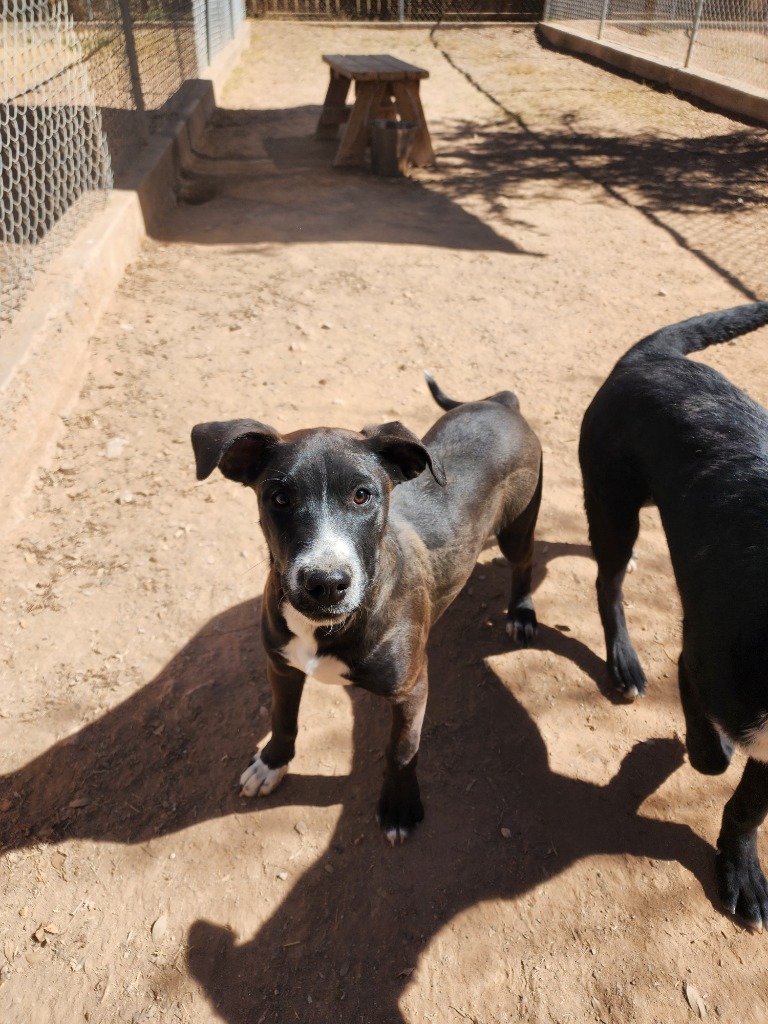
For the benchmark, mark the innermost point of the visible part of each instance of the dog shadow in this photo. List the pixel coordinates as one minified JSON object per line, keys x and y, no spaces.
{"x":353,"y":927}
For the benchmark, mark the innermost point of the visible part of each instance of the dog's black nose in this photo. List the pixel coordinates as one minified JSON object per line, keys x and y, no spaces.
{"x":328,"y":587}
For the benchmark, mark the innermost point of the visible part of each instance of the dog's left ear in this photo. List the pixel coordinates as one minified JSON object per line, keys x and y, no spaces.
{"x":240,"y":448}
{"x":403,"y":454}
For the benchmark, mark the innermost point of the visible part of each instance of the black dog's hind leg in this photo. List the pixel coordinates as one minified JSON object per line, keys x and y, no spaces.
{"x":742,"y":884}
{"x":516,"y":543}
{"x":613,"y":529}
{"x":400,"y":808}
{"x":708,"y":750}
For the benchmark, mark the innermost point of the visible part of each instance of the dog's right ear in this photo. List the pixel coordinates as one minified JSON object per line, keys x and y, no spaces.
{"x":240,"y":448}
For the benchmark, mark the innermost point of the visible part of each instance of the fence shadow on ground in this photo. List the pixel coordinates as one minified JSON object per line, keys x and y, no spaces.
{"x":710,"y":193}
{"x":353,"y":927}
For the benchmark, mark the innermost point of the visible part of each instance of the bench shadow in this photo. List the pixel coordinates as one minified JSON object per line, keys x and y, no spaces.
{"x":260,"y":177}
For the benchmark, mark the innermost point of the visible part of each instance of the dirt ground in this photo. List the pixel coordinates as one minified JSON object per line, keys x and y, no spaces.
{"x":564,"y":871}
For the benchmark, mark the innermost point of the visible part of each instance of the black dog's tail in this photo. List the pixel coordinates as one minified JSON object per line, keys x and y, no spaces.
{"x":697,"y":333}
{"x":439,"y":395}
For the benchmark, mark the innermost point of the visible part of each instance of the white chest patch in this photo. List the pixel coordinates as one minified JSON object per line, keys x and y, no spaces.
{"x":301,"y":651}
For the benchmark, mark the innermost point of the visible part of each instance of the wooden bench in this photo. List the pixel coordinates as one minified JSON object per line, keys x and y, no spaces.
{"x":384,"y":87}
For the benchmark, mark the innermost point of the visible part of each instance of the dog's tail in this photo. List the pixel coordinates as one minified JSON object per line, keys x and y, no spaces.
{"x":697,"y":333}
{"x":439,"y":395}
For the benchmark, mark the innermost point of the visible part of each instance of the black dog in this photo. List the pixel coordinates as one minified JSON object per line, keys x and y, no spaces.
{"x":667,"y":431}
{"x":361,"y":571}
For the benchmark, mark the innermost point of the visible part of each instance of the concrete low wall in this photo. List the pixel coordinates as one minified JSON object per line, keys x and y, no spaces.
{"x":44,"y":352}
{"x":741,"y":101}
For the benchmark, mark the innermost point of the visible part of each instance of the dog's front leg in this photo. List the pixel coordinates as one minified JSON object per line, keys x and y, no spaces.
{"x":269,"y":766}
{"x":400,"y":808}
{"x":742,"y":884}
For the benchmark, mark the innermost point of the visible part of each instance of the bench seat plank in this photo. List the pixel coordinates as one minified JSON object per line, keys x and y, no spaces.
{"x":373,"y":67}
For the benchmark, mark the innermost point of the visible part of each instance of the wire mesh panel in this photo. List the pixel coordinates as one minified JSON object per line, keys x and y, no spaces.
{"x":727,"y":38}
{"x":83,"y":87}
{"x":55,"y":163}
{"x":399,"y":10}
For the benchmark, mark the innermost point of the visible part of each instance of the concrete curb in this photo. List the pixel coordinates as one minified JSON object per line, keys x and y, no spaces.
{"x":44,"y":352}
{"x":741,"y":101}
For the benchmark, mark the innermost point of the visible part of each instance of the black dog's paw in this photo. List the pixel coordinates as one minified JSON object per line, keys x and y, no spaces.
{"x":741,"y":882}
{"x":626,"y":672}
{"x":522,"y":626}
{"x":400,"y":810}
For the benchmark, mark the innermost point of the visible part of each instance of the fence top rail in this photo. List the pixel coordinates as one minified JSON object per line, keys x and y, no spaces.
{"x":370,"y":68}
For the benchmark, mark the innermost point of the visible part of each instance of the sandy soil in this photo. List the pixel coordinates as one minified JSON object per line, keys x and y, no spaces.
{"x":564,"y":871}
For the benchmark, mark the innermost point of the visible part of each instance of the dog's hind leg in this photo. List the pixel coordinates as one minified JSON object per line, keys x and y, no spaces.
{"x":708,"y":750}
{"x":741,"y":882}
{"x":613,"y":529}
{"x":516,"y":542}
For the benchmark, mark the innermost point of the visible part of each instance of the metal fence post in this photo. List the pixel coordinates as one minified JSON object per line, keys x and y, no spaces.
{"x":603,"y":18}
{"x":133,"y":67}
{"x":401,"y":11}
{"x":694,"y":30}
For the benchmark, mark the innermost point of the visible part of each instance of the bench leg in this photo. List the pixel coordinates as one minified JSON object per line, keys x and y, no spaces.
{"x":368,"y":97}
{"x":334,"y":110}
{"x":410,"y":109}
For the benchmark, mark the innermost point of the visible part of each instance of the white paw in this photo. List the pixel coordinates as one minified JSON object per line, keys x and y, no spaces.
{"x":632,"y":563}
{"x":259,"y":779}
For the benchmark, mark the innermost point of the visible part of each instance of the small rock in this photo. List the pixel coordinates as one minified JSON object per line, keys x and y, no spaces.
{"x":159,"y":928}
{"x":301,"y":828}
{"x":282,"y":875}
{"x":506,"y":833}
{"x":125,"y":498}
{"x":114,"y":447}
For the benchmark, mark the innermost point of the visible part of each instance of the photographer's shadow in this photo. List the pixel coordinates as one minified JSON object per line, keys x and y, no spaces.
{"x":348,"y":935}
{"x":354,"y":926}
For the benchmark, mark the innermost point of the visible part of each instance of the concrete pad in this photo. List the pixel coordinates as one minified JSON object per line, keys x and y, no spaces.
{"x":744,"y":102}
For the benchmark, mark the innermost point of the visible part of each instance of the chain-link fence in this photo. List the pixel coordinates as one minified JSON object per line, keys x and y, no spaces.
{"x":54,"y":157}
{"x":429,"y":11}
{"x":727,"y":38}
{"x":84,"y":86}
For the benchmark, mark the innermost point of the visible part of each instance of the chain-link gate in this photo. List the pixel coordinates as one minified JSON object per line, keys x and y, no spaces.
{"x":728,"y":38}
{"x":84,"y":86}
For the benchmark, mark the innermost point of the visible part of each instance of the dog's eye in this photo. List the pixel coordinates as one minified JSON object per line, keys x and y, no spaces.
{"x":281,"y":498}
{"x":361,"y":496}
